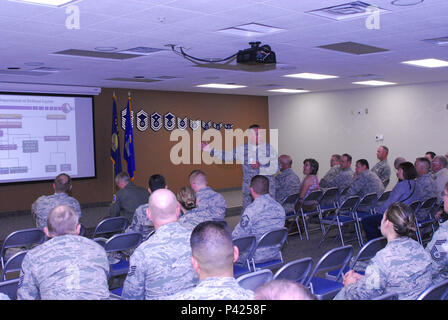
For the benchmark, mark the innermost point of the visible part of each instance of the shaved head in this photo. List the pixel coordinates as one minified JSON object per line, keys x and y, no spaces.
{"x":163,"y":205}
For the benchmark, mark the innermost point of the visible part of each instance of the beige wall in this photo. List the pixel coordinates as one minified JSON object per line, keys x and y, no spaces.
{"x":152,"y":149}
{"x":413,"y":120}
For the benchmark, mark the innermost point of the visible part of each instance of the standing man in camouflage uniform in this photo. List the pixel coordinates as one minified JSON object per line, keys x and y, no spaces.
{"x":382,"y":169}
{"x":257,"y":156}
{"x":345,"y":176}
{"x":403,"y":267}
{"x":264,"y":214}
{"x":440,"y":174}
{"x":213,"y":255}
{"x":43,"y":205}
{"x":333,"y":172}
{"x":128,"y":198}
{"x":438,"y":246}
{"x":161,"y":266}
{"x":425,"y":183}
{"x":365,"y":181}
{"x":287,"y":182}
{"x":140,"y":222}
{"x":208,"y":199}
{"x":66,"y":267}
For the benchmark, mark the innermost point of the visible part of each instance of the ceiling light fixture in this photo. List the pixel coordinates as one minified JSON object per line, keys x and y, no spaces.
{"x":312,"y":76}
{"x":48,"y":3}
{"x":284,"y":90}
{"x":220,"y":86}
{"x":428,"y":63}
{"x":106,"y":49}
{"x":405,"y":3}
{"x":374,"y":83}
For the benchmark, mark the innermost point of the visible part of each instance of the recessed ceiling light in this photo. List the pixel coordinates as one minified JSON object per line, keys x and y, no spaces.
{"x":220,"y":86}
{"x":313,"y":76}
{"x":406,"y":2}
{"x":106,"y":49}
{"x":428,"y":63}
{"x":374,"y":83}
{"x":50,"y":3}
{"x":289,"y":90}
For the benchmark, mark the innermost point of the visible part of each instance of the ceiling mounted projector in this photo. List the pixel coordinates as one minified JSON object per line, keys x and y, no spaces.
{"x":256,"y":54}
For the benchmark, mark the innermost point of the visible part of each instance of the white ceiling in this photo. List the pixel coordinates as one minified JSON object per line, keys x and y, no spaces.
{"x":32,"y":33}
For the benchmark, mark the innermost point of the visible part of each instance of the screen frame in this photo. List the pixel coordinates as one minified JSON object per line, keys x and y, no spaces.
{"x":92,"y":97}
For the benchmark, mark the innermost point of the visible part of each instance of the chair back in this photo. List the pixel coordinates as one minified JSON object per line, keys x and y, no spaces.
{"x":253,"y":280}
{"x":329,"y":197}
{"x":337,"y":258}
{"x":272,"y":238}
{"x":384,"y":196}
{"x":435,"y":292}
{"x":387,"y":296}
{"x":82,"y":231}
{"x":314,"y":195}
{"x":21,"y":238}
{"x":13,"y":264}
{"x":415,"y":205}
{"x":290,"y":203}
{"x":9,"y":288}
{"x":369,"y":250}
{"x":428,"y":203}
{"x":123,"y":241}
{"x":367,"y":202}
{"x":111,"y":225}
{"x":349,"y":204}
{"x":296,"y":270}
{"x":246,"y":246}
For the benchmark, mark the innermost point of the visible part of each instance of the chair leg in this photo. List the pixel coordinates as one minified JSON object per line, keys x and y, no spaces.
{"x":298,"y":227}
{"x":340,"y":233}
{"x":304,"y":227}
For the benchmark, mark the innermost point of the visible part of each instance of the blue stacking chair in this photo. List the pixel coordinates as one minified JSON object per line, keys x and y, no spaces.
{"x":253,"y":280}
{"x":9,"y":287}
{"x":337,"y":258}
{"x":329,"y":200}
{"x":423,"y":217}
{"x":21,"y":238}
{"x":14,"y":264}
{"x":290,"y":202}
{"x":381,"y":199}
{"x":109,"y":226}
{"x":273,"y":238}
{"x":313,"y":196}
{"x":246,"y":248}
{"x":364,"y":208}
{"x":367,"y":252}
{"x":297,"y":270}
{"x":435,"y":292}
{"x":118,"y":243}
{"x":344,"y":215}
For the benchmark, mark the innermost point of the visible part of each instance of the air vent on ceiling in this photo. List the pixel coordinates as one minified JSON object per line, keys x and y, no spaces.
{"x":133,"y":79}
{"x":23,"y":73}
{"x":250,"y":29}
{"x":365,"y":76}
{"x":48,"y":69}
{"x":97,"y":54}
{"x":142,"y":50}
{"x":166,"y":77}
{"x":350,"y":10}
{"x":353,"y":48}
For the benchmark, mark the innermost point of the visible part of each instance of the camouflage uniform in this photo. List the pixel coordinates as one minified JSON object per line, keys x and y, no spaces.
{"x":140,"y":222}
{"x":343,"y":180}
{"x":366,"y":182}
{"x":161,"y":266}
{"x":214,"y":288}
{"x":193,"y":217}
{"x":44,"y":204}
{"x":249,"y":154}
{"x":286,"y":183}
{"x":438,"y":249}
{"x":441,"y":178}
{"x":403,"y":267}
{"x":212,"y":202}
{"x":329,"y":176}
{"x":127,"y":200}
{"x":427,"y":186}
{"x":382,"y":170}
{"x":67,"y":267}
{"x":263,"y":215}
